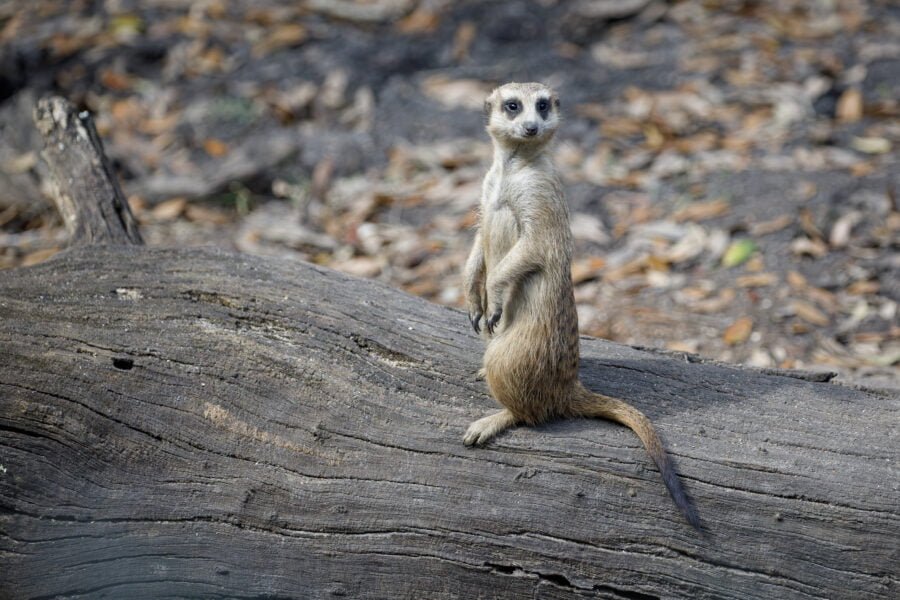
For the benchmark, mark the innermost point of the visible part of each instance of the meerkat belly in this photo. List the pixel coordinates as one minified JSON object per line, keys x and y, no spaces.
{"x":532,"y":363}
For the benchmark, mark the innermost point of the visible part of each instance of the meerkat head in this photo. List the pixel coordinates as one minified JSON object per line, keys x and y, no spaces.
{"x":522,"y":113}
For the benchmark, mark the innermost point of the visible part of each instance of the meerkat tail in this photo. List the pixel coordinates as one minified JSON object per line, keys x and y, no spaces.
{"x":590,"y":404}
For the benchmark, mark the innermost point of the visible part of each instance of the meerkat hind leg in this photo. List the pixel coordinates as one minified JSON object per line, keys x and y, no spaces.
{"x":482,"y":430}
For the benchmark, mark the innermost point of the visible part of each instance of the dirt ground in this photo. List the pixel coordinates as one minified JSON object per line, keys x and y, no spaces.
{"x":731,"y":166}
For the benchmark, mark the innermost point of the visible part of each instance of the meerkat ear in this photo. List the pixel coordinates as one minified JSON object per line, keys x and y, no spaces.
{"x":556,"y":102}
{"x":487,"y":108}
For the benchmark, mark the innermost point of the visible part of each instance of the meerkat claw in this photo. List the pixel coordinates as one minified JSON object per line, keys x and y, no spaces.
{"x":492,"y":322}
{"x":484,"y":429}
{"x":474,"y":320}
{"x":477,"y":435}
{"x":471,"y":439}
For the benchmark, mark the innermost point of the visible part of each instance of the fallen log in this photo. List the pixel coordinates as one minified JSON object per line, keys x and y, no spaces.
{"x":197,"y":423}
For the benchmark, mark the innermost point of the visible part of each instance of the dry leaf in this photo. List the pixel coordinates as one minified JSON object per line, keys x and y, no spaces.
{"x":422,"y":287}
{"x":808,"y":224}
{"x":628,"y":269}
{"x":587,"y":268}
{"x":468,"y":220}
{"x":806,"y":190}
{"x":8,"y":215}
{"x":804,"y":245}
{"x":691,"y":294}
{"x":755,"y":264}
{"x":840,"y":231}
{"x":211,"y":60}
{"x":850,"y":106}
{"x":420,"y":20}
{"x":127,"y":111}
{"x":716,"y":304}
{"x":693,"y":243}
{"x":159,"y":125}
{"x":862,"y":168}
{"x":760,"y":358}
{"x":823,"y":298}
{"x":871,"y":145}
{"x":137,"y":204}
{"x":689,"y":346}
{"x":456,"y":93}
{"x":809,"y":313}
{"x":653,"y":137}
{"x":215,"y":148}
{"x":738,"y":332}
{"x":283,"y":36}
{"x":38,"y":256}
{"x":115,"y":80}
{"x":700,"y":211}
{"x":205,"y":214}
{"x":796,"y":280}
{"x":706,"y":140}
{"x":859,"y":288}
{"x":361,"y":266}
{"x":588,"y":227}
{"x":798,"y":328}
{"x":170,"y":209}
{"x":463,"y":39}
{"x":294,"y":100}
{"x":757,"y":280}
{"x":771,"y":226}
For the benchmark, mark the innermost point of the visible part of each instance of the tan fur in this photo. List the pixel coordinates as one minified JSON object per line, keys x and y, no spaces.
{"x":518,"y":278}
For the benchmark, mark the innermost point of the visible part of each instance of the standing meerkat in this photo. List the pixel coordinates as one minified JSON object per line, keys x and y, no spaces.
{"x":518,"y":277}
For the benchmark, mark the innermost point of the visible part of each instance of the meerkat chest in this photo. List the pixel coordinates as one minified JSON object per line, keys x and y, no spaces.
{"x":501,"y":221}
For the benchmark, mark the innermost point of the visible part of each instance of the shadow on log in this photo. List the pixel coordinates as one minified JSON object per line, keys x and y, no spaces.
{"x":196,"y":423}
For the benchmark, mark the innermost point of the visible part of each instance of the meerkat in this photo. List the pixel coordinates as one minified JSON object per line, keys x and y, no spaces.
{"x":518,"y":278}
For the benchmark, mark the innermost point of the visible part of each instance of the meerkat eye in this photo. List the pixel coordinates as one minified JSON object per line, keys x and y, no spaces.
{"x":543,"y":107}
{"x":512,"y":106}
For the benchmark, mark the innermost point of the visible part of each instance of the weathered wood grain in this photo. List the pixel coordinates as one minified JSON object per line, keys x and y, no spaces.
{"x":194,"y":423}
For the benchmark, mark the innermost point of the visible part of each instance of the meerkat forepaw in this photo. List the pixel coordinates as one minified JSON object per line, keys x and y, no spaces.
{"x":492,"y":322}
{"x":481,"y":374}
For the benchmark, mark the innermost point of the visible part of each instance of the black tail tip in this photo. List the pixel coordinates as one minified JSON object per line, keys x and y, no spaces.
{"x":690,"y":513}
{"x":681,"y":498}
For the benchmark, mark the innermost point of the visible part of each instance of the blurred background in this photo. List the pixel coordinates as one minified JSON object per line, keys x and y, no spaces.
{"x":731,"y":166}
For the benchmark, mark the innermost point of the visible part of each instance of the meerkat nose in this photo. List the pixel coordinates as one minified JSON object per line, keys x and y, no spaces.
{"x":531,"y":128}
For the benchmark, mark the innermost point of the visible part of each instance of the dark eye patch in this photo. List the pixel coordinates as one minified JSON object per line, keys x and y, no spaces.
{"x":512,"y":107}
{"x":543,"y":107}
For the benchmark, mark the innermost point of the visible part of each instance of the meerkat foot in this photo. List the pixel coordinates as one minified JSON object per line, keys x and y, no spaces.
{"x":482,"y":430}
{"x":480,"y":374}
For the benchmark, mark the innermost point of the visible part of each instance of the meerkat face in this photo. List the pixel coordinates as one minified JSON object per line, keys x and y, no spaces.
{"x":522,"y":113}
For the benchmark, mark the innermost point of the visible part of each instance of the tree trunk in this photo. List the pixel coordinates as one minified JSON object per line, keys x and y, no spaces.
{"x":196,"y":423}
